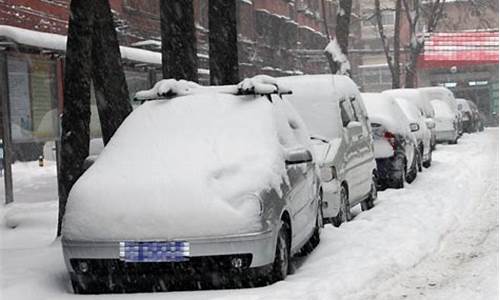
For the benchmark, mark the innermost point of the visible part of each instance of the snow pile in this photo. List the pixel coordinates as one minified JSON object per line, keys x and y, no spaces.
{"x":167,"y":88}
{"x":182,"y":168}
{"x":383,"y":109}
{"x":261,"y":84}
{"x":333,"y":49}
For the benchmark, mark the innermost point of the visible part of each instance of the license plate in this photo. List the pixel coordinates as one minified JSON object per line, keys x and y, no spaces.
{"x":175,"y":251}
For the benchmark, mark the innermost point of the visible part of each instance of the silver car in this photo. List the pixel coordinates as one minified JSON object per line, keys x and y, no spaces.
{"x":336,"y":117}
{"x":208,"y":180}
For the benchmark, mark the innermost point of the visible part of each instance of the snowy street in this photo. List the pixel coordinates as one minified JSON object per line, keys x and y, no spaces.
{"x":435,"y":239}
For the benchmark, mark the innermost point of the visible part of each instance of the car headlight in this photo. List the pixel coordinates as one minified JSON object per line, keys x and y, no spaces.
{"x":251,"y":203}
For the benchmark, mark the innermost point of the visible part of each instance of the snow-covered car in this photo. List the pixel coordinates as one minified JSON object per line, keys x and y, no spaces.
{"x":445,"y":123}
{"x":335,"y":115}
{"x":476,"y":119}
{"x":444,"y":94}
{"x":394,"y":144}
{"x":422,"y":132}
{"x":423,"y":103}
{"x":195,"y":180}
{"x":467,"y":115}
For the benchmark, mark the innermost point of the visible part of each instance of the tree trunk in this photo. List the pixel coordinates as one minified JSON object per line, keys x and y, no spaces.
{"x":178,"y":40}
{"x":396,"y":76}
{"x":342,"y":29}
{"x":223,"y":42}
{"x":411,"y":68}
{"x":109,"y":80}
{"x":75,"y":131}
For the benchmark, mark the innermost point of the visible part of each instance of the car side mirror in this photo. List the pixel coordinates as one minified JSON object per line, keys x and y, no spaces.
{"x":414,"y":127}
{"x":298,"y":156}
{"x":354,"y":128}
{"x":430,"y":123}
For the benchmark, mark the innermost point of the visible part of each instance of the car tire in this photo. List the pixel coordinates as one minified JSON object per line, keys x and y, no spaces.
{"x":428,"y":162}
{"x":420,"y":157}
{"x":313,"y":241}
{"x":368,"y":203}
{"x":344,"y":214}
{"x":281,"y":264}
{"x":400,"y":175}
{"x":412,"y":175}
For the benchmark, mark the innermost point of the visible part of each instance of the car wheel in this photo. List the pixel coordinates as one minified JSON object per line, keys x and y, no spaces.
{"x":281,"y":264}
{"x":344,"y":214}
{"x":368,"y":203}
{"x":412,"y":175}
{"x":400,"y":175}
{"x":315,"y":237}
{"x":420,"y":157}
{"x":428,"y":162}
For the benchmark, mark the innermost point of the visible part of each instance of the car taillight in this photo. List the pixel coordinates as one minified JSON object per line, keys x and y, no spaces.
{"x":391,"y":138}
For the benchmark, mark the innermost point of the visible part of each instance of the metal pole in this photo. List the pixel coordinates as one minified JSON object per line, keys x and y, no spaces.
{"x":7,"y":142}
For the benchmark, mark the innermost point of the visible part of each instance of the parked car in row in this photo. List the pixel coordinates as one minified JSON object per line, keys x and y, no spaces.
{"x":394,"y":144}
{"x":195,"y":179}
{"x":477,"y":122}
{"x":423,"y":103}
{"x":421,"y":132}
{"x":466,"y":113}
{"x":445,"y":123}
{"x":444,"y":94}
{"x":335,"y":115}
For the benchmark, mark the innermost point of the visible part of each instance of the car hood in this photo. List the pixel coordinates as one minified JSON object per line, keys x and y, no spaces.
{"x":185,"y":167}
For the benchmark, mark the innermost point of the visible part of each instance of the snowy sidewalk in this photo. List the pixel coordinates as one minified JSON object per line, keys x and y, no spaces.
{"x":436,"y":239}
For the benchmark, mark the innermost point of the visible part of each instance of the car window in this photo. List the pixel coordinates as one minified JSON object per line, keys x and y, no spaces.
{"x":345,"y":112}
{"x":358,"y":112}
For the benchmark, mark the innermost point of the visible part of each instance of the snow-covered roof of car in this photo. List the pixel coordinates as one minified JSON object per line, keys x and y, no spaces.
{"x":383,"y":109}
{"x":316,"y":98}
{"x":410,"y":109}
{"x":416,"y":96}
{"x":440,"y":93}
{"x":181,"y":168}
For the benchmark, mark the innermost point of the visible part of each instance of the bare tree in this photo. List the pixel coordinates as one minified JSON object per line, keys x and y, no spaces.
{"x":431,"y":12}
{"x":223,"y":42}
{"x":393,"y":60}
{"x":178,"y":40}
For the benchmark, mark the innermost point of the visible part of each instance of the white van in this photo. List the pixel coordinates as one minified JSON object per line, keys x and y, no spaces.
{"x":337,"y":120}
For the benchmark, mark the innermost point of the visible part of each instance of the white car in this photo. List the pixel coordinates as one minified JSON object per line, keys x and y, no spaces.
{"x":422,"y":102}
{"x":445,"y":123}
{"x":196,"y":180}
{"x":335,"y":115}
{"x":444,"y":94}
{"x":422,"y":134}
{"x":394,"y":144}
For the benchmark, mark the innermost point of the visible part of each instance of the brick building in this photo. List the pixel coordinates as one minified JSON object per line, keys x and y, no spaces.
{"x":274,"y":37}
{"x":270,"y":32}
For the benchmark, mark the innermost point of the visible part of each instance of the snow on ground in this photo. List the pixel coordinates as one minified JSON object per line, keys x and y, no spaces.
{"x":436,"y":239}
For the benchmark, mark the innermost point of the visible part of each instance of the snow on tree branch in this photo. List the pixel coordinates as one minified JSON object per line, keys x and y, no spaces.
{"x":333,"y":49}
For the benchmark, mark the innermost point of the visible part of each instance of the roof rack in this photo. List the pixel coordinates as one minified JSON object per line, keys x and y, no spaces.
{"x":260,"y":85}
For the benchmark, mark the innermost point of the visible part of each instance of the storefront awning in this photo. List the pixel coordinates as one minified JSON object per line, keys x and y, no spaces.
{"x":444,"y":50}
